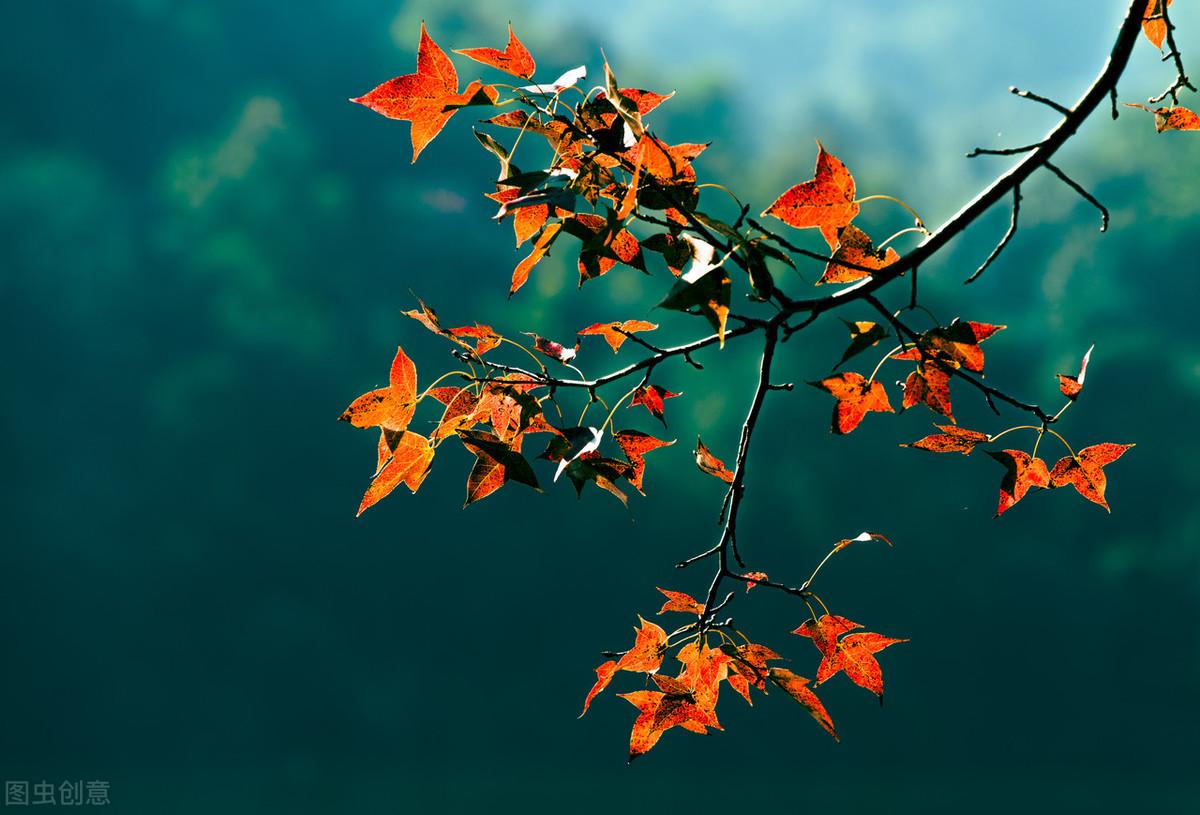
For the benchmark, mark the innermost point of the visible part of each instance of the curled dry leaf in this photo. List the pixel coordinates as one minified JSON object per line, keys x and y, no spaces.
{"x":1071,"y":386}
{"x":1173,"y":118}
{"x":555,"y":350}
{"x":708,"y":463}
{"x":862,"y":537}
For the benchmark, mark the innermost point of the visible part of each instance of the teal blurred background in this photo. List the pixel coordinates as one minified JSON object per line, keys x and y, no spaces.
{"x":205,"y":252}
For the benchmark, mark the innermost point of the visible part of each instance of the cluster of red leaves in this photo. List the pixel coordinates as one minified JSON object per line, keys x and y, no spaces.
{"x":689,"y":699}
{"x":938,"y":353}
{"x":603,"y":155}
{"x":492,"y":418}
{"x":1024,"y":471}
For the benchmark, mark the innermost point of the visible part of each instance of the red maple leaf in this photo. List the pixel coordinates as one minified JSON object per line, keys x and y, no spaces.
{"x":615,"y":334}
{"x":855,"y":247}
{"x":635,"y":444}
{"x":1023,"y":472}
{"x":427,"y":98}
{"x":825,"y":630}
{"x":856,"y":397}
{"x":826,"y":202}
{"x":651,"y":397}
{"x":515,"y":59}
{"x":929,"y":385}
{"x":952,"y":439}
{"x":855,"y":655}
{"x":1085,"y":471}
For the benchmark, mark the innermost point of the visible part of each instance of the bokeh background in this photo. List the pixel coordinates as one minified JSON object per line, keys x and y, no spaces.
{"x":204,"y":252}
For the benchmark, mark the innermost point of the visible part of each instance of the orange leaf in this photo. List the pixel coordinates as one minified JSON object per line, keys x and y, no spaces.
{"x":749,"y":667}
{"x":485,"y":336}
{"x":854,"y":654}
{"x":856,"y":397}
{"x":605,"y":245}
{"x":826,"y":202}
{"x":708,"y":463}
{"x":635,"y":444}
{"x":855,"y":247}
{"x":678,"y":601}
{"x":797,"y":687}
{"x":515,"y":59}
{"x":615,"y":334}
{"x":952,"y":439}
{"x":604,"y":675}
{"x":1085,"y":472}
{"x":704,"y":670}
{"x":411,"y":458}
{"x":460,"y":414}
{"x":427,"y":98}
{"x":659,"y":712}
{"x":1155,"y":30}
{"x":391,"y":407}
{"x":648,"y":649}
{"x":669,"y":164}
{"x":929,"y":385}
{"x":540,"y":248}
{"x":1023,"y":472}
{"x":825,"y":630}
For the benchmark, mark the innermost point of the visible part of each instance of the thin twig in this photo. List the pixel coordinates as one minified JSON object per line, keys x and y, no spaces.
{"x":1012,"y":230}
{"x":1087,"y":196}
{"x":1181,"y":78}
{"x":1003,"y":151}
{"x":1030,"y":95}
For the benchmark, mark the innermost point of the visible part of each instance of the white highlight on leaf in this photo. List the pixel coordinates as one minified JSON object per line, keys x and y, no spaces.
{"x":702,"y":259}
{"x":565,"y":81}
